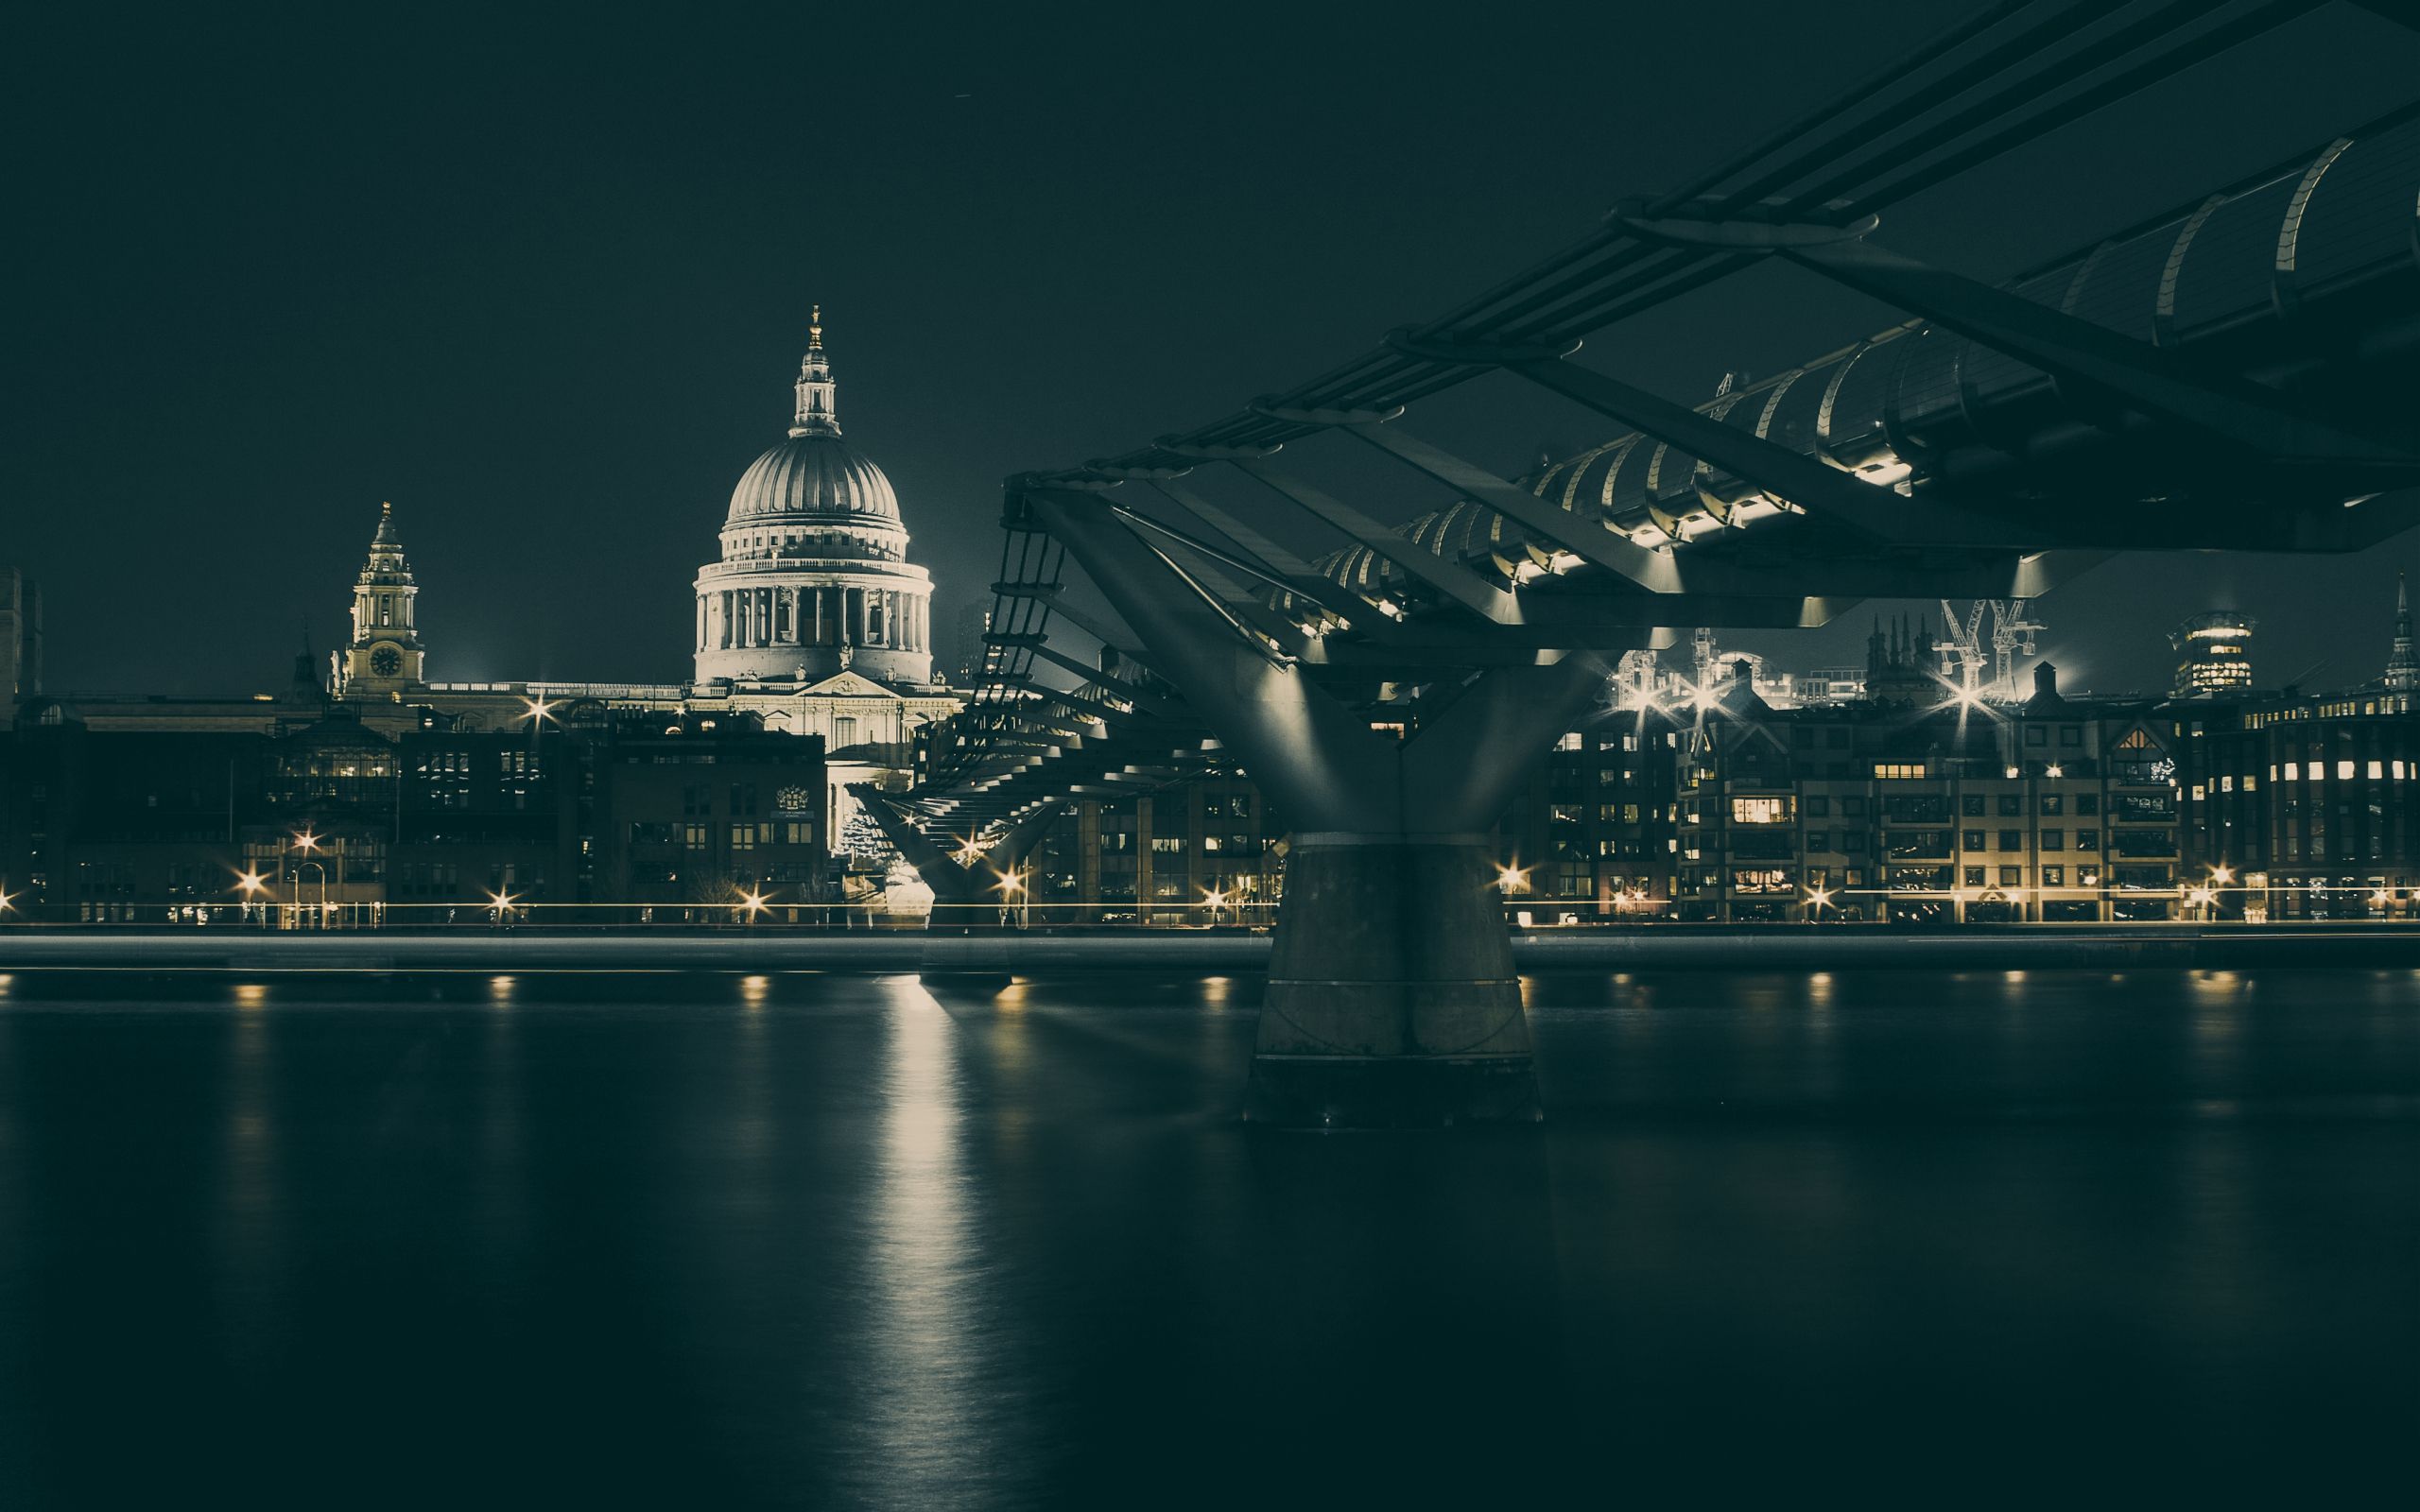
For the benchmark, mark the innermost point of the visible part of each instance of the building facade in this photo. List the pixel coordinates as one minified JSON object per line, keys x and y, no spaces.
{"x":1918,"y":810}
{"x":331,"y":822}
{"x":1200,"y":851}
{"x":2305,"y":807}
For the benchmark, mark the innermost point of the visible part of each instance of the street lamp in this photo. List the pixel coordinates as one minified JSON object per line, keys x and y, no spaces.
{"x":501,"y":903}
{"x":252,"y":885}
{"x":2221,"y":875}
{"x":1011,"y":886}
{"x":1512,"y":879}
{"x":1215,"y":900}
{"x":308,"y":844}
{"x":1817,"y":898}
{"x":969,"y":851}
{"x":751,"y":904}
{"x":7,"y":902}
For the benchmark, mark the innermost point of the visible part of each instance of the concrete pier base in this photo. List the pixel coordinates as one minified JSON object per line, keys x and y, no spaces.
{"x":1392,"y":1001}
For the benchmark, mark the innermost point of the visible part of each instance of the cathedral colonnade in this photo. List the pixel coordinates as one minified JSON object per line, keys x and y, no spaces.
{"x":746,"y":615}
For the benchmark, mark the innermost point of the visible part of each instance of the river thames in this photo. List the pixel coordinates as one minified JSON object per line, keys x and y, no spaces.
{"x":711,"y":1240}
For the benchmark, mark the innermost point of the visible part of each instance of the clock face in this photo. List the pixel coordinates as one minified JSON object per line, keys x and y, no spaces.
{"x":385,"y":661}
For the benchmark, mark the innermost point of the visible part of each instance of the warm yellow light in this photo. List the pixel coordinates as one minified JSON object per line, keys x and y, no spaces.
{"x":7,"y":902}
{"x":306,"y":841}
{"x":2201,"y":897}
{"x":1511,"y":879}
{"x":501,"y":899}
{"x":1214,"y":898}
{"x":754,"y":903}
{"x":2222,"y":875}
{"x":2054,"y":771}
{"x":538,"y":708}
{"x":2382,"y":896}
{"x":1011,"y":883}
{"x":249,"y":880}
{"x":1817,"y":898}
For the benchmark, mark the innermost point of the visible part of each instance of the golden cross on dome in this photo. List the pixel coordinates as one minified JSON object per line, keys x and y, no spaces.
{"x":815,"y":328}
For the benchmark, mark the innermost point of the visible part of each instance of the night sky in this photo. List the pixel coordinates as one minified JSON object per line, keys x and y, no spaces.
{"x":545,"y":285}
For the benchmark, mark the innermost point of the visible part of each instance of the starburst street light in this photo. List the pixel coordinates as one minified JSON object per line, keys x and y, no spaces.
{"x":1512,"y":879}
{"x":1817,"y":898}
{"x":539,"y":711}
{"x":2220,"y":876}
{"x":969,"y":851}
{"x":252,"y":882}
{"x":1011,"y":882}
{"x":7,"y":902}
{"x":501,"y":901}
{"x":307,"y":842}
{"x":751,"y":903}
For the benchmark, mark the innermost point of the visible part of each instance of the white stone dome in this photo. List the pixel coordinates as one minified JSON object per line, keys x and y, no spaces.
{"x":814,"y":479}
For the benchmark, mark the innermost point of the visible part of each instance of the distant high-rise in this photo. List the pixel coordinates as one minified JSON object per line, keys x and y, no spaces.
{"x":2402,"y":668}
{"x":2213,"y":655}
{"x":20,"y":638}
{"x":973,"y":623}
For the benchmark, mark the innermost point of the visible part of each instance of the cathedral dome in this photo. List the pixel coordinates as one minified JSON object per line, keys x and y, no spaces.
{"x":813,"y":478}
{"x":814,"y":578}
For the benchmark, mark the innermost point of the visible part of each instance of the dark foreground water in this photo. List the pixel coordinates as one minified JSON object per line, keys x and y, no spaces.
{"x":709,"y":1241}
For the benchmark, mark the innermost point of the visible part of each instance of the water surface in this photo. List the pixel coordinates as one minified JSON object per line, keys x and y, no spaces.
{"x":805,"y":1240}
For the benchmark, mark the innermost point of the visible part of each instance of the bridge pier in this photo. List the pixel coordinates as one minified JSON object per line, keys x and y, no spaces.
{"x":1392,"y":999}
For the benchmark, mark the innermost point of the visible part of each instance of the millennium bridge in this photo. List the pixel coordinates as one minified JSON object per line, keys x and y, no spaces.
{"x":2232,"y":373}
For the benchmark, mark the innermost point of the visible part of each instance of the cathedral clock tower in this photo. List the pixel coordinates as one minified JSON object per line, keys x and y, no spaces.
{"x":384,"y":656}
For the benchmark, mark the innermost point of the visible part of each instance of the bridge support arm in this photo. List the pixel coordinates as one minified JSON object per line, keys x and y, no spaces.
{"x":2153,"y":379}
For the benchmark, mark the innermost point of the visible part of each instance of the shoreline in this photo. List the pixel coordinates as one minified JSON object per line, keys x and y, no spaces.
{"x":1661,"y":947}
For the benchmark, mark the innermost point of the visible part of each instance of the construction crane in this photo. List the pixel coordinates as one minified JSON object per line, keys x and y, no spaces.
{"x":1963,"y":660}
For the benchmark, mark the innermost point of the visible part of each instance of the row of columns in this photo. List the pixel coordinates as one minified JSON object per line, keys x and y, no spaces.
{"x":742,"y":617}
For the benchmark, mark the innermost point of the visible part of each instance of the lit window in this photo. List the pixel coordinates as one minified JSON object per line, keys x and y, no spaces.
{"x":2293,"y":771}
{"x":2377,"y":769}
{"x":1761,"y":811}
{"x":2343,"y":771}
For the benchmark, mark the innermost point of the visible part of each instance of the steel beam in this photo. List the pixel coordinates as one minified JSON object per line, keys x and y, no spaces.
{"x":1451,"y":579}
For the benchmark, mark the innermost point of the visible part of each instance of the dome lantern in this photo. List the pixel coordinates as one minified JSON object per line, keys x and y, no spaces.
{"x":817,"y":412}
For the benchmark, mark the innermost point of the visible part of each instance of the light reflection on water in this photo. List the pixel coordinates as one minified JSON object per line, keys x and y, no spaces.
{"x":924,"y":1418}
{"x":968,"y":1241}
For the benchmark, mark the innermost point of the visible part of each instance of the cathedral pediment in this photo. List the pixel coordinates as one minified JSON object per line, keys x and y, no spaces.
{"x":846,"y":685}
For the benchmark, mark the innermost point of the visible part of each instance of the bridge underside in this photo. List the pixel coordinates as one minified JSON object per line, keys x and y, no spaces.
{"x":1390,"y":699}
